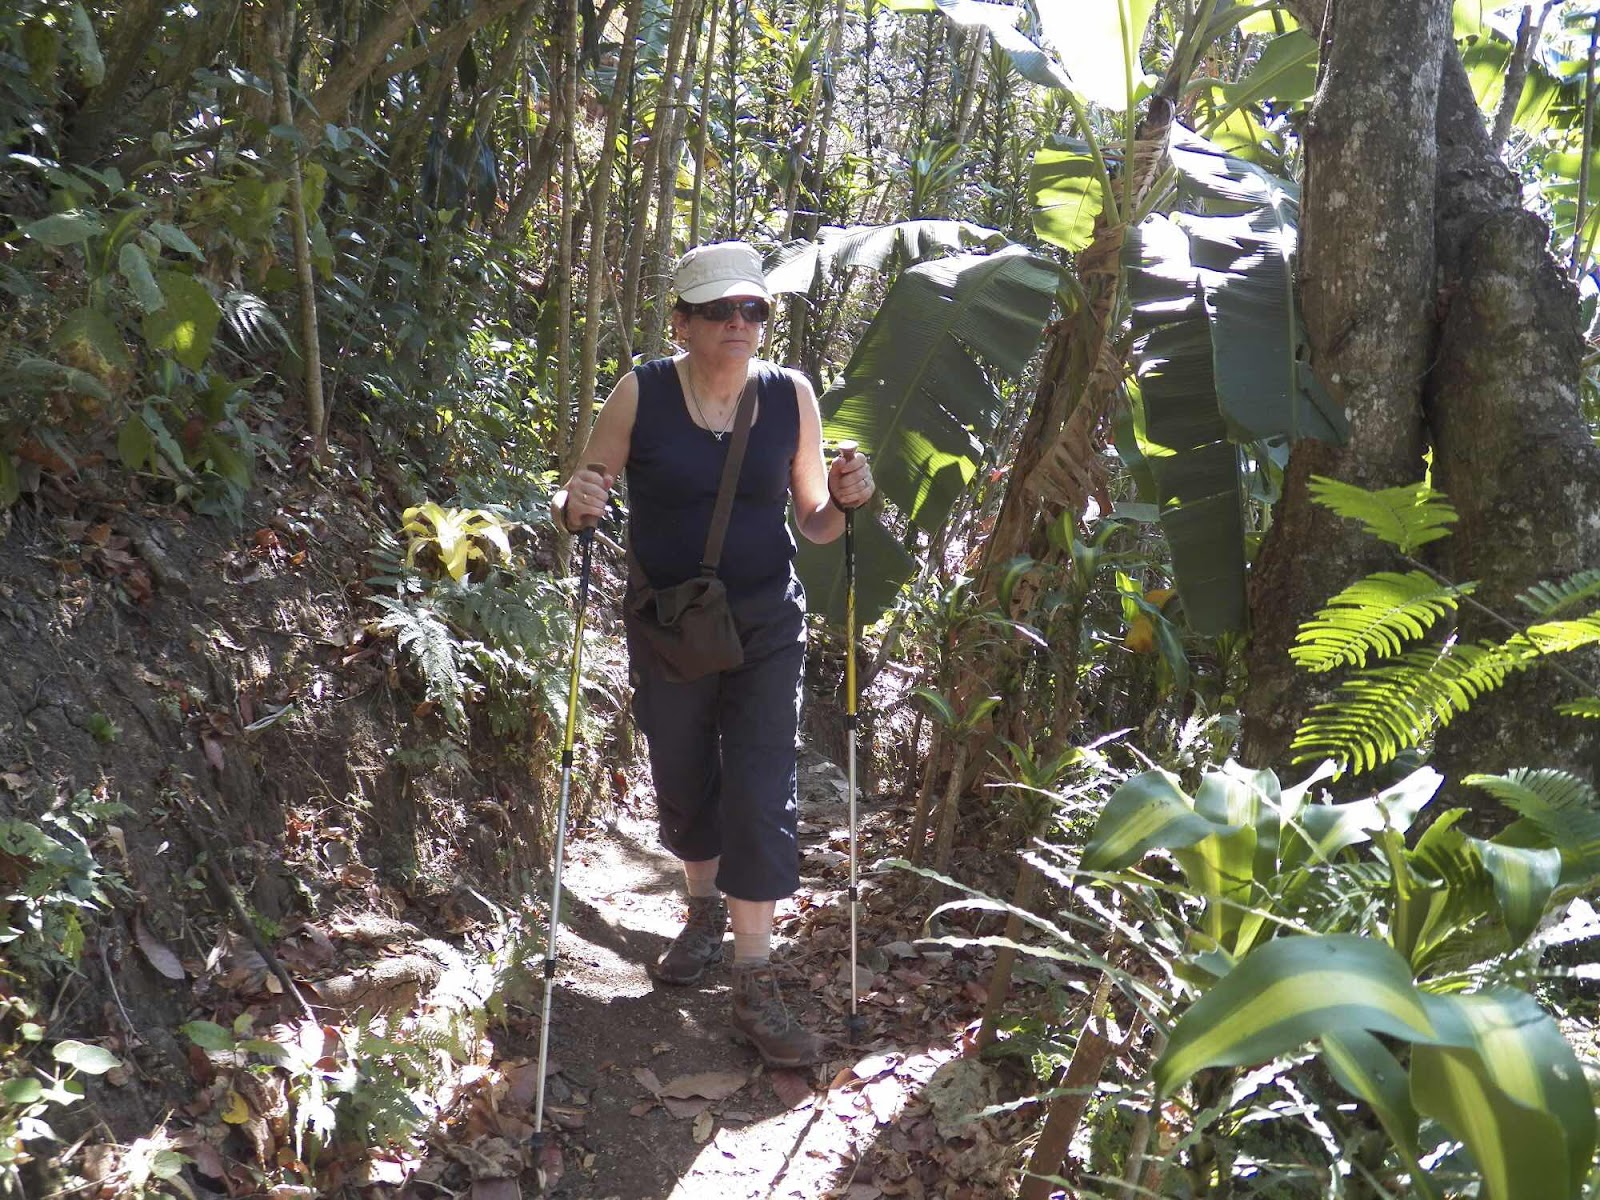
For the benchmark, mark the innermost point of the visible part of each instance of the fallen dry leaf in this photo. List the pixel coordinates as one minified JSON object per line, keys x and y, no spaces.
{"x":647,"y":1080}
{"x":703,"y":1125}
{"x":685,"y":1110}
{"x":875,"y":1065}
{"x":161,"y":958}
{"x":887,"y":1098}
{"x":713,"y":1085}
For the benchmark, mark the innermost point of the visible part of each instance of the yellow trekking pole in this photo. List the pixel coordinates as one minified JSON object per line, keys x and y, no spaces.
{"x":586,"y":545}
{"x":855,"y":1023}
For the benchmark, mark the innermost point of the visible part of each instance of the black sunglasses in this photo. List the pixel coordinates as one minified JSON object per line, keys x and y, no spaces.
{"x":753,"y":310}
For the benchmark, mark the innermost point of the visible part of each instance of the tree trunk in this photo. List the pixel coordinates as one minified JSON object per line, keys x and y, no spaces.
{"x":1514,"y":453}
{"x":1435,"y":311}
{"x":599,"y":212}
{"x":1367,"y":292}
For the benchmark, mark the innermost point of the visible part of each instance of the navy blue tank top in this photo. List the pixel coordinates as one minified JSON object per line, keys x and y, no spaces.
{"x":674,"y":467}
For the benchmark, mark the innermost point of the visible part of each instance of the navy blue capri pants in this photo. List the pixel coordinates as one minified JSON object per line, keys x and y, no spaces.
{"x":722,"y":751}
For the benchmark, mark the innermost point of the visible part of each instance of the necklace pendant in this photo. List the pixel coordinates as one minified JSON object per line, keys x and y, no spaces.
{"x":719,"y":434}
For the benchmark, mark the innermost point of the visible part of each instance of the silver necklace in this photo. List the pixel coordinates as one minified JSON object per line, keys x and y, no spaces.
{"x":694,"y":399}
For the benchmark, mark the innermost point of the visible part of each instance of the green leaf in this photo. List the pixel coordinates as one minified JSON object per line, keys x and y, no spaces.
{"x":1029,"y":61}
{"x":1285,"y":74}
{"x":174,"y":238}
{"x":801,"y":266}
{"x":1510,"y":1087}
{"x":943,"y":711}
{"x":1150,"y":811}
{"x":135,"y":268}
{"x":917,"y":395}
{"x":1524,"y":879}
{"x":1363,"y":1066}
{"x":1406,"y":517}
{"x":208,"y":1035}
{"x":1549,"y":598}
{"x":91,"y":66}
{"x":134,"y":444}
{"x":91,"y":1060}
{"x":21,"y":1091}
{"x":64,"y":228}
{"x":1065,"y":190}
{"x":1375,"y":616}
{"x":1098,"y":42}
{"x":1288,"y":992}
{"x":882,"y":566}
{"x":186,"y":325}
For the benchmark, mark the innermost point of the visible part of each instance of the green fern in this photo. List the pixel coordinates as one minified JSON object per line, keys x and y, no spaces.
{"x":1377,"y":616}
{"x":1548,"y":598}
{"x":1396,"y":705}
{"x":1522,"y":788}
{"x":1559,"y":804}
{"x":1558,"y":637}
{"x":1405,"y":517}
{"x":1588,"y":707}
{"x":433,"y":647}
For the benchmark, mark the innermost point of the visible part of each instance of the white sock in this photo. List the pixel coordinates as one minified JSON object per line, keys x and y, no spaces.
{"x":752,"y":949}
{"x":701,"y":877}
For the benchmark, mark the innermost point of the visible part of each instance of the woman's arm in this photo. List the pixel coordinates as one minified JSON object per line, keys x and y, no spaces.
{"x":821,"y":492}
{"x":583,"y":500}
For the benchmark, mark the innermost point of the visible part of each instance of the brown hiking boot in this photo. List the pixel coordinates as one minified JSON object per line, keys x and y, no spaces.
{"x":700,"y":943}
{"x":762,"y":1019}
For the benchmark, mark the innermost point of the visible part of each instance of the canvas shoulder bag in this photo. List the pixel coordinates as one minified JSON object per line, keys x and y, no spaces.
{"x":690,"y":626}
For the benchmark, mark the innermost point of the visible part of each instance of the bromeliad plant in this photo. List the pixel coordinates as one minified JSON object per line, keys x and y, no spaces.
{"x":1295,"y":942}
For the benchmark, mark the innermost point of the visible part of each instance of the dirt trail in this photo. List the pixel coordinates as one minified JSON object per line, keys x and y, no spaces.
{"x":617,"y":1036}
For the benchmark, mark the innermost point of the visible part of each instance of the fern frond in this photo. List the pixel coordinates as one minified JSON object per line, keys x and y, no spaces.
{"x":433,"y":648}
{"x":1522,"y":788}
{"x":1549,"y":597}
{"x":1405,"y":517}
{"x":1377,"y":616}
{"x":253,"y":323}
{"x":1558,"y":637}
{"x":1589,"y":707}
{"x":1395,"y":706}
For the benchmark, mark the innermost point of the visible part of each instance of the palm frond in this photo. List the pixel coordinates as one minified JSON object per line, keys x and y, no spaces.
{"x":1374,"y":616}
{"x":1395,"y":706}
{"x":1405,"y":517}
{"x":1523,"y":789}
{"x":1551,"y":597}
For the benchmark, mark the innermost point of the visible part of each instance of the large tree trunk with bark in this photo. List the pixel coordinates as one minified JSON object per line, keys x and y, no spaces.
{"x":1366,"y":285}
{"x":1514,"y":453}
{"x":1437,"y":315}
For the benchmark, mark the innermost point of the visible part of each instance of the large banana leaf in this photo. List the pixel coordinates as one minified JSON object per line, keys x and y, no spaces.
{"x":1098,"y":42}
{"x":1221,"y":359}
{"x":918,"y":394}
{"x":1031,"y":62}
{"x":1492,"y":1067}
{"x":801,"y":265}
{"x":1065,"y":188}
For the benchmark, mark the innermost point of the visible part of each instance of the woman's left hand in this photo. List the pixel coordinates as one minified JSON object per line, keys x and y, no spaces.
{"x":850,"y":480}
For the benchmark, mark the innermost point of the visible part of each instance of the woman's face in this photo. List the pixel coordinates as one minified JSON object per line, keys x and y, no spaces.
{"x":726,"y":332}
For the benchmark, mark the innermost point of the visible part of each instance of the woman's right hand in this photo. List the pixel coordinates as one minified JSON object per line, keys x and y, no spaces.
{"x":587,"y":492}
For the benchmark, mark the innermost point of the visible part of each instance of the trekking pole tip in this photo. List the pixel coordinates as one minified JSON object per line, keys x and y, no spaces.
{"x":855,"y":1027}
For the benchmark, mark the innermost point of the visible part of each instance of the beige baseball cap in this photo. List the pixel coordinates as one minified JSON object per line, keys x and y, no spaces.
{"x":718,"y":270}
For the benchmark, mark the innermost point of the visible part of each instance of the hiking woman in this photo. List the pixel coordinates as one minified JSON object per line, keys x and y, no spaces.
{"x":722,"y":746}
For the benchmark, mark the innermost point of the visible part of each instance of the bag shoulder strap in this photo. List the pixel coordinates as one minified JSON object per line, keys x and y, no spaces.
{"x":730,"y":478}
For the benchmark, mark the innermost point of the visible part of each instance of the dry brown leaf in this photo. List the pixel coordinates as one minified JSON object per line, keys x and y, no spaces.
{"x":639,"y":1110}
{"x":887,"y":1097}
{"x":875,"y":1065}
{"x":685,"y":1110}
{"x":713,"y":1085}
{"x":703,"y":1125}
{"x":647,"y":1079}
{"x":161,"y":958}
{"x":792,"y":1088}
